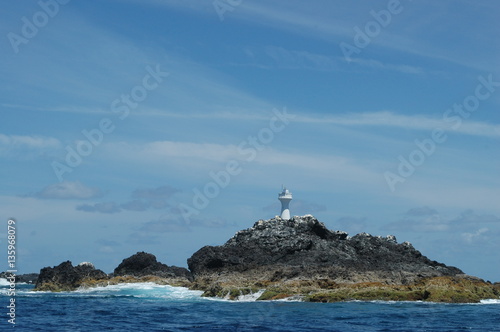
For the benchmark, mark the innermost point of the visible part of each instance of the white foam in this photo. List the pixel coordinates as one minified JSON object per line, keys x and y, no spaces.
{"x":293,"y":298}
{"x":143,"y":289}
{"x":490,"y":301}
{"x":252,"y":297}
{"x":5,"y":282}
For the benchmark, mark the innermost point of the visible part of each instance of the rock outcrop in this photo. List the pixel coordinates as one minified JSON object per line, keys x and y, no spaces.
{"x":297,"y":258}
{"x":301,"y":257}
{"x":66,"y":277}
{"x":144,"y":264}
{"x":140,"y":267}
{"x":303,"y":248}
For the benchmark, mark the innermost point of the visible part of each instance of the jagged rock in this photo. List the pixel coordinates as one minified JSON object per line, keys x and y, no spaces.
{"x":145,"y":264}
{"x":303,"y":248}
{"x":66,"y":277}
{"x":301,"y":258}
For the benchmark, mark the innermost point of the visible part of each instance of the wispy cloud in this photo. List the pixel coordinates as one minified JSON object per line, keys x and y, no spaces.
{"x":272,"y":57}
{"x":300,"y":18}
{"x":416,"y":122}
{"x":26,"y":146}
{"x":58,"y":109}
{"x":172,"y":223}
{"x":375,"y":64}
{"x":469,"y":217}
{"x":105,"y":207}
{"x":144,"y":199}
{"x":203,"y":156}
{"x":478,"y":235}
{"x":425,"y":219}
{"x":68,"y":190}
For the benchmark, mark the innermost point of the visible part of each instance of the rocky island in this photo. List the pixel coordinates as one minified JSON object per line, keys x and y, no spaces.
{"x":298,"y":258}
{"x":141,"y":267}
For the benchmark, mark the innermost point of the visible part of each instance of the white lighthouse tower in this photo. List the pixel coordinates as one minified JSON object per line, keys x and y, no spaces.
{"x":285,"y":197}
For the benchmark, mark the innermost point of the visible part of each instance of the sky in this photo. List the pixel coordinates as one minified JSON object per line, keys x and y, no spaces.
{"x":167,"y":125}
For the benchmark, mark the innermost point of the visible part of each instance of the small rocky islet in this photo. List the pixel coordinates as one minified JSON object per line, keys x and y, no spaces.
{"x":295,"y":258}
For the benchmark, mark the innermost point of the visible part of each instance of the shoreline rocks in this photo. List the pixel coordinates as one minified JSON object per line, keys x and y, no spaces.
{"x":66,"y":277}
{"x":29,"y":278}
{"x":298,"y":258}
{"x":301,"y":258}
{"x":140,"y":267}
{"x":143,"y":264}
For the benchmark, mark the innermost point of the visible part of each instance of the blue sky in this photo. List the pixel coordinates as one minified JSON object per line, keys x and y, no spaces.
{"x":165,"y":126}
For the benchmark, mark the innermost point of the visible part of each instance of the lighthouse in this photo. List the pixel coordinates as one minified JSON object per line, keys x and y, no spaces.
{"x":285,"y":197}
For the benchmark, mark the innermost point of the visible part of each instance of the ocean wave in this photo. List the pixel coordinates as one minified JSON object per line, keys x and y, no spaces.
{"x":252,"y":297}
{"x":146,"y":289}
{"x":4,"y":282}
{"x":490,"y":301}
{"x":137,"y":290}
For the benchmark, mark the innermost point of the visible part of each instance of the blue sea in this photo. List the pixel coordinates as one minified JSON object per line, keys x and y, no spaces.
{"x":151,"y":307}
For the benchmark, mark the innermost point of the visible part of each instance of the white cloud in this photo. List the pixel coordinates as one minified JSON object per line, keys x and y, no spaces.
{"x":68,"y":190}
{"x":10,"y":142}
{"x":334,"y":24}
{"x":205,"y":156}
{"x":172,"y":150}
{"x":474,"y":236}
{"x":391,"y":119}
{"x":294,"y":59}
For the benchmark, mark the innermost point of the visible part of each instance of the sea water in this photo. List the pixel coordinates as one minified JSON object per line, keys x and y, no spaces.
{"x":151,"y":307}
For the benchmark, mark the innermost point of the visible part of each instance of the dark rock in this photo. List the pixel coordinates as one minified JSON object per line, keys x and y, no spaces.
{"x":66,"y":277}
{"x":145,"y":264}
{"x":303,"y":248}
{"x":29,"y":278}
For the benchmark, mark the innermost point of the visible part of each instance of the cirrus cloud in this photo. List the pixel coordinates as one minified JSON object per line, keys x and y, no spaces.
{"x":68,"y":190}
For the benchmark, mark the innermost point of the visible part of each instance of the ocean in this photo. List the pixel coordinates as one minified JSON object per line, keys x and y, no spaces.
{"x":151,"y":307}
